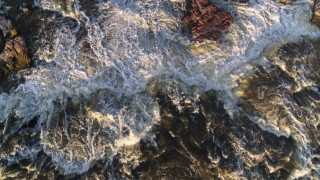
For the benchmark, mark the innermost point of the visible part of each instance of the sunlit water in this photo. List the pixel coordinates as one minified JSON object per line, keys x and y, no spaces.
{"x":118,"y":85}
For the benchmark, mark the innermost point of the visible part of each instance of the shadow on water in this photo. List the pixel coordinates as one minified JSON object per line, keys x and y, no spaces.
{"x":10,"y":83}
{"x":2,"y":42}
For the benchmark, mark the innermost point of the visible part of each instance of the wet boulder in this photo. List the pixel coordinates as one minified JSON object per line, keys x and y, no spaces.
{"x":285,"y":1}
{"x":316,"y":12}
{"x":206,"y":21}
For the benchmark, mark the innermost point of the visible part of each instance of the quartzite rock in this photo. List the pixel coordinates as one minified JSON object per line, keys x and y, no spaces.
{"x":206,"y":21}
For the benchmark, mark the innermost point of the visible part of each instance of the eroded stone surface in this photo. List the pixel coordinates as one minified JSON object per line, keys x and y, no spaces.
{"x":206,"y":21}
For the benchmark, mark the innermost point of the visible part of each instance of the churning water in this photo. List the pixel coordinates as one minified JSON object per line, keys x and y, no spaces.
{"x":118,"y":91}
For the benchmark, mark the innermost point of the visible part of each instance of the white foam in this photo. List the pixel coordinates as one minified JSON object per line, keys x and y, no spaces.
{"x":130,"y":140}
{"x":129,"y":45}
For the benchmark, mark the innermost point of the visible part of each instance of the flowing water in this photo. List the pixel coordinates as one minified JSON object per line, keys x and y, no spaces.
{"x":118,"y":91}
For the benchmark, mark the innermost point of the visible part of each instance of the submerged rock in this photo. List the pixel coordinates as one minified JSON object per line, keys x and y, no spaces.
{"x":242,"y":1}
{"x":285,"y":98}
{"x":195,"y":138}
{"x":206,"y":21}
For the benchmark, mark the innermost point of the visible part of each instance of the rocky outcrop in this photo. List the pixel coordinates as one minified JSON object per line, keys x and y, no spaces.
{"x":285,"y":1}
{"x":206,"y":21}
{"x":316,"y":13}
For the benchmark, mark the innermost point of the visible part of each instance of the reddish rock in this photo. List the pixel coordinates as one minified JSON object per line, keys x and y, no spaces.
{"x":206,"y":21}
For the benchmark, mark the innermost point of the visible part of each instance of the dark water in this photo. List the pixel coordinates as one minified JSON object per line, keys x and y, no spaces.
{"x":272,"y":132}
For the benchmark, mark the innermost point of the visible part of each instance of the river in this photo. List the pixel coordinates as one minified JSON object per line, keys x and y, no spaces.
{"x":118,"y":91}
